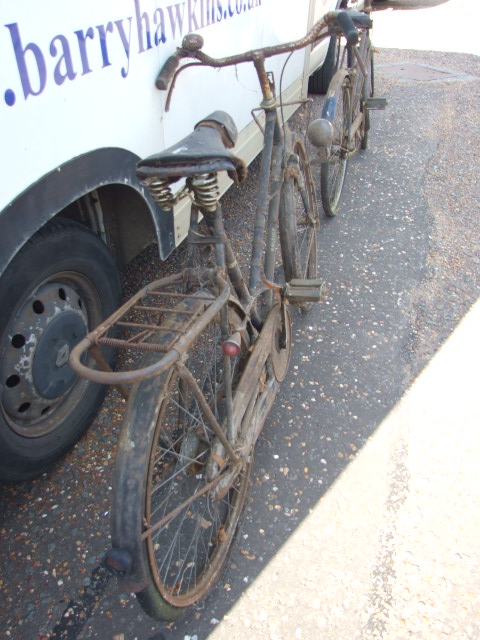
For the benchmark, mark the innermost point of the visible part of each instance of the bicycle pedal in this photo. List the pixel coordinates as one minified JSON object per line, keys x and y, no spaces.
{"x":298,"y":291}
{"x":376,"y":104}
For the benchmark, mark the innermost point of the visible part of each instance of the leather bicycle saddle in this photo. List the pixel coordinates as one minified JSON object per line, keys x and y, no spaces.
{"x":205,"y":150}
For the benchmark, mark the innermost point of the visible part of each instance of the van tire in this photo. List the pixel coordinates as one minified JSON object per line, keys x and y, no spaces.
{"x":320,"y":79}
{"x":60,"y":284}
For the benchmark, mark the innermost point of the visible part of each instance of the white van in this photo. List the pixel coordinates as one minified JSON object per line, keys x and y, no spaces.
{"x":79,"y":109}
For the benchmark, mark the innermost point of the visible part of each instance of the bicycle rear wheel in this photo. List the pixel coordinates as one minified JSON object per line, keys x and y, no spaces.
{"x":169,"y":468}
{"x":298,"y":219}
{"x":337,"y":110}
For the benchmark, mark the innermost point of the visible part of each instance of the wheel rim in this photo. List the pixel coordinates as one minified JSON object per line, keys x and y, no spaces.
{"x":39,"y":386}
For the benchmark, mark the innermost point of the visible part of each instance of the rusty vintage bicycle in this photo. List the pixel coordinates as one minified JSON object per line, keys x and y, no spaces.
{"x":344,"y":127}
{"x":204,"y":350}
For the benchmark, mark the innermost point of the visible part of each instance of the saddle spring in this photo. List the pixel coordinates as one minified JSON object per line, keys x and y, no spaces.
{"x":204,"y":186}
{"x":206,"y":190}
{"x":161,"y":192}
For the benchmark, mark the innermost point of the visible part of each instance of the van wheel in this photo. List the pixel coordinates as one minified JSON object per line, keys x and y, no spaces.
{"x":320,"y":79}
{"x":62,"y":283}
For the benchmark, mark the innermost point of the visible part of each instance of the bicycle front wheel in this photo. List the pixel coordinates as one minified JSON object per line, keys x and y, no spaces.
{"x":184,"y":521}
{"x":337,"y":110}
{"x":298,"y":219}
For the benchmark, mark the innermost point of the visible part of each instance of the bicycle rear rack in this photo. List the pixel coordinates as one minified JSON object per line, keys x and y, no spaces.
{"x":160,"y":318}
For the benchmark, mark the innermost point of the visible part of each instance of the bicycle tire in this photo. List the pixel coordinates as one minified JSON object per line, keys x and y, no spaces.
{"x":337,"y":110}
{"x":367,"y":92}
{"x":298,"y":219}
{"x":273,"y":267}
{"x":165,"y":461}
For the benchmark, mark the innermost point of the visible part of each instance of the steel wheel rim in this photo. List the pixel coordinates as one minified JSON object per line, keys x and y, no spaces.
{"x":62,"y":308}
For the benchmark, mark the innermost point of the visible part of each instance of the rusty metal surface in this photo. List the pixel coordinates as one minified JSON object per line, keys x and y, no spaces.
{"x":170,"y":309}
{"x":322,"y":30}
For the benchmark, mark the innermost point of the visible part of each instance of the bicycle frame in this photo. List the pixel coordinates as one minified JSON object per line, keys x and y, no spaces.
{"x":272,"y":167}
{"x":354,"y":73}
{"x":358,"y":73}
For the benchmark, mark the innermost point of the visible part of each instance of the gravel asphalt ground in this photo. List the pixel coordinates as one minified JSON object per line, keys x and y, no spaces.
{"x":363,"y":515}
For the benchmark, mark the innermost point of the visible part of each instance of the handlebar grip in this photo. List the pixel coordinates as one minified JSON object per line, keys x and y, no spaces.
{"x":167,"y":72}
{"x":348,"y":28}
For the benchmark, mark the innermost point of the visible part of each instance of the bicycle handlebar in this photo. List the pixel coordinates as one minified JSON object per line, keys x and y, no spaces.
{"x":348,"y":28}
{"x":167,"y":72}
{"x":333,"y":21}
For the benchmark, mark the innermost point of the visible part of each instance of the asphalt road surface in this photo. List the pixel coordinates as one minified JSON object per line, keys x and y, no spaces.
{"x":340,"y":537}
